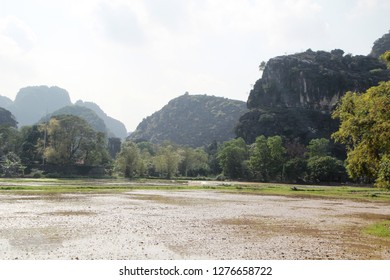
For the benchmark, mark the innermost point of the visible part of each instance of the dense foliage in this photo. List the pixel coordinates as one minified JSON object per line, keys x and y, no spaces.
{"x":71,"y":140}
{"x":365,"y":129}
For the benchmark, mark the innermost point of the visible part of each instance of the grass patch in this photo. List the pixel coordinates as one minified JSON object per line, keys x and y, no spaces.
{"x":381,"y":229}
{"x":119,"y":185}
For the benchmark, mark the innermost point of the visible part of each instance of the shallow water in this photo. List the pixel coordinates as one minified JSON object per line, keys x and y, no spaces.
{"x":152,"y":224}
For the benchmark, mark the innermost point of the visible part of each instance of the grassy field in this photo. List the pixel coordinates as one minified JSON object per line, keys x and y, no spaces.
{"x":117,"y":185}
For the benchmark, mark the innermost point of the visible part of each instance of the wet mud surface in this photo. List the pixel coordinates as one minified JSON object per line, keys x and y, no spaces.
{"x":150,"y":224}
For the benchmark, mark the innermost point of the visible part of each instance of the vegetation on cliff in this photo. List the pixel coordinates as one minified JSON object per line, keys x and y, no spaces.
{"x":193,"y":120}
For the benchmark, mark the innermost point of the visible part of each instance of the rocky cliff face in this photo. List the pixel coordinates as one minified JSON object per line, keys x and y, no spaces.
{"x":296,"y":94}
{"x":381,"y":45}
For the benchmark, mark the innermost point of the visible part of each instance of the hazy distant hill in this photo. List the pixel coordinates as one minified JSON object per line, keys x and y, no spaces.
{"x":83,"y":112}
{"x":34,"y":103}
{"x":114,"y":126}
{"x":193,"y":120}
{"x":5,"y":102}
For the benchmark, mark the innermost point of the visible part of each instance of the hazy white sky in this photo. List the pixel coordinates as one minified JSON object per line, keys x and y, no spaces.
{"x":132,"y":56}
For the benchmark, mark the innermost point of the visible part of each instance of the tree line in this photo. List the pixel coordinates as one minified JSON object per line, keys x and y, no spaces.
{"x":67,"y":140}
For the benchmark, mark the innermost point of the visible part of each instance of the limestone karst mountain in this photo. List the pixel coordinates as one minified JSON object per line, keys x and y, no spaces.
{"x":193,"y":120}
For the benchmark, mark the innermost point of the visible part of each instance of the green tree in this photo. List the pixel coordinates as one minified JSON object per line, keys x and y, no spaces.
{"x":386,"y":58}
{"x":213,"y":162}
{"x":267,"y":158}
{"x":262,"y":66}
{"x":232,"y":157}
{"x":325,"y":169}
{"x":277,"y":153}
{"x":147,"y":152}
{"x":167,"y":161}
{"x":259,"y":161}
{"x":96,"y":150}
{"x":9,"y":140}
{"x":193,"y":161}
{"x":365,"y":130}
{"x":11,"y":165}
{"x":70,"y":140}
{"x":128,"y":160}
{"x":295,"y":170}
{"x":30,"y":151}
{"x":318,"y":148}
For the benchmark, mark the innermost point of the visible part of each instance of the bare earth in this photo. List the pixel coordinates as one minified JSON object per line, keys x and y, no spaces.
{"x":151,"y":224}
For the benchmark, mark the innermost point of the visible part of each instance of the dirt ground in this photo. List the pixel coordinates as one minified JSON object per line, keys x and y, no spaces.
{"x":152,"y":224}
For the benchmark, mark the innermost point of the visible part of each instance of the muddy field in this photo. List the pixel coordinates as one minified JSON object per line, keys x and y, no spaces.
{"x":151,"y":224}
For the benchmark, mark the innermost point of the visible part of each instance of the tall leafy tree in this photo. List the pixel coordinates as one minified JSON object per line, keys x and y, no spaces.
{"x":70,"y":140}
{"x":128,"y":160}
{"x":9,"y":140}
{"x":365,"y":130}
{"x":167,"y":160}
{"x":11,"y":166}
{"x":318,"y":148}
{"x":267,"y":158}
{"x":232,"y":157}
{"x":193,"y":161}
{"x":30,"y":148}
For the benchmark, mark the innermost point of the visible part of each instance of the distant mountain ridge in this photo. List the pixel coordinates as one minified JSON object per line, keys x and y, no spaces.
{"x":193,"y":120}
{"x":35,"y":102}
{"x":32,"y":103}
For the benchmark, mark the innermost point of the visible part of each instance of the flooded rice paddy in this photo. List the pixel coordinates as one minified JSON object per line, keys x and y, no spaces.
{"x":191,"y":224}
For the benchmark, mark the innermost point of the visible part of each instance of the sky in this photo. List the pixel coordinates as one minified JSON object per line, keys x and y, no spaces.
{"x":131,"y":57}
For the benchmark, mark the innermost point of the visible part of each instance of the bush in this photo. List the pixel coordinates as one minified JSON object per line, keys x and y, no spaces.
{"x":11,"y":165}
{"x":295,"y":170}
{"x":326,"y":169}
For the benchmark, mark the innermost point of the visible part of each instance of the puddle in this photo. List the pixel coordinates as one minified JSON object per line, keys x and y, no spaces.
{"x":369,"y":216}
{"x":165,"y":199}
{"x":34,"y":238}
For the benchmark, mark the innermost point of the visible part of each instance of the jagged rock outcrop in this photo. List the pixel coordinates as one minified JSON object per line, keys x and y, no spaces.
{"x":381,"y":45}
{"x":32,"y":103}
{"x":193,"y":120}
{"x":296,"y":94}
{"x":115,"y":127}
